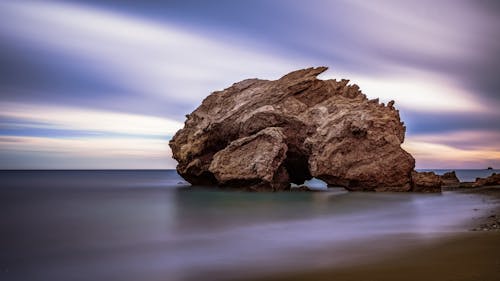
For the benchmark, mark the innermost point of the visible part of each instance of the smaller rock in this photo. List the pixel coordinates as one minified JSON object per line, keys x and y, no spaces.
{"x":466,"y":184}
{"x":450,"y":179}
{"x":300,"y":188}
{"x":425,"y":182}
{"x":494,"y":179}
{"x":254,"y":161}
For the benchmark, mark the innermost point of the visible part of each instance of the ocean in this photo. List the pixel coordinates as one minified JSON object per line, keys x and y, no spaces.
{"x":150,"y":225}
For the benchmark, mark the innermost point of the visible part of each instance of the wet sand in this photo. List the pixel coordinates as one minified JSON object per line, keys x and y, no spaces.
{"x":490,"y":221}
{"x":472,"y":255}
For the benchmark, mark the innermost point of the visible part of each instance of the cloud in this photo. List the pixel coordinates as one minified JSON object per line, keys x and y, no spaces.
{"x":141,"y":56}
{"x":83,"y":69}
{"x":83,"y":119}
{"x":417,"y":91}
{"x":81,"y":138}
{"x":416,"y":28}
{"x":98,"y":147}
{"x":463,"y":139}
{"x":178,"y":66}
{"x":84,"y":153}
{"x":455,"y":150}
{"x":439,"y":156}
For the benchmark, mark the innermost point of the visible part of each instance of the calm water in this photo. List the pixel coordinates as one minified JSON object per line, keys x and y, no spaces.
{"x":148,"y":225}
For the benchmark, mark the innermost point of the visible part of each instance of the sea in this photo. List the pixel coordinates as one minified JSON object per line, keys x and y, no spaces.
{"x":152,"y":225}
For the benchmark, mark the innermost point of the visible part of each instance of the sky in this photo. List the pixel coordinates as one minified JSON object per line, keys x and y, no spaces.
{"x":105,"y":84}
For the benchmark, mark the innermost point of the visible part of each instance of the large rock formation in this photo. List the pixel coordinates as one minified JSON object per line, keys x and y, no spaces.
{"x":264,"y":134}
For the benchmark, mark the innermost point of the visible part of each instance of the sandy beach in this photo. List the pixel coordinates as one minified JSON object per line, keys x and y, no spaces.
{"x":472,"y":255}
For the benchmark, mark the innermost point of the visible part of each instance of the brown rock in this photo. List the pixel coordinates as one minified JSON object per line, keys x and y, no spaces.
{"x":425,"y":182}
{"x":450,"y":179}
{"x":494,"y":179}
{"x":466,"y":184}
{"x":266,"y":134}
{"x":256,"y":159}
{"x":301,"y":188}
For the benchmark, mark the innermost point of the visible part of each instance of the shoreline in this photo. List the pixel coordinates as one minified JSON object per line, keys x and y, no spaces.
{"x":466,"y":255}
{"x":491,"y":220}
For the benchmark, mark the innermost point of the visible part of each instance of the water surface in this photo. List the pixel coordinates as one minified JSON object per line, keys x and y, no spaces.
{"x":149,"y":225}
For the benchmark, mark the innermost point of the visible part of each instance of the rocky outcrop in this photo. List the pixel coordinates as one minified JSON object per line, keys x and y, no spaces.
{"x":494,"y":179}
{"x":262,"y":134}
{"x":426,"y":182}
{"x":450,"y":179}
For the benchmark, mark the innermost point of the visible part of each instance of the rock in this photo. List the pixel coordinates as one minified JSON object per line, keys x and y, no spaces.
{"x":301,"y":188}
{"x":256,"y":159}
{"x":450,"y":179}
{"x":267,"y":134}
{"x":426,"y":182}
{"x":494,"y":179}
{"x":466,"y":184}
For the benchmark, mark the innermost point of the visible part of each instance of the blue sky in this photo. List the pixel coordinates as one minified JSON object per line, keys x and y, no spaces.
{"x":105,"y":84}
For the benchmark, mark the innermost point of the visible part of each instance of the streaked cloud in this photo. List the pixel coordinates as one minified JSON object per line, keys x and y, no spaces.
{"x":420,"y":27}
{"x":82,"y":119}
{"x":142,"y":140}
{"x":84,"y":153}
{"x":100,"y":147}
{"x":469,"y":140}
{"x":456,"y":149}
{"x":416,"y":91}
{"x":175,"y":65}
{"x":90,"y":84}
{"x":441,"y":156}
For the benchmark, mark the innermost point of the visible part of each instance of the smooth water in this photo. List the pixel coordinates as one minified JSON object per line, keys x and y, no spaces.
{"x":149,"y":225}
